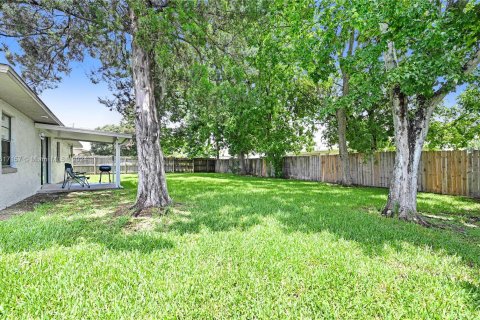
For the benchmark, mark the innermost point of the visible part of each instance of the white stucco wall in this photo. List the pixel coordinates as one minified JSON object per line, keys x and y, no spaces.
{"x":26,"y":181}
{"x":58,"y":167}
{"x":26,"y":149}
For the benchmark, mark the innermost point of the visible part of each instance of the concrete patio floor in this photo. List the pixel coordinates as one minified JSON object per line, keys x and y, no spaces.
{"x":57,"y":188}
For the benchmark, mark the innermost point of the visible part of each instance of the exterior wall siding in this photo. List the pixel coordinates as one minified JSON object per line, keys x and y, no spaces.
{"x":58,"y":166}
{"x":25,"y":181}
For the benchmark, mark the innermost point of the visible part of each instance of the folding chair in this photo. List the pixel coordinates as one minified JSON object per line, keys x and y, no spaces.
{"x":71,"y":176}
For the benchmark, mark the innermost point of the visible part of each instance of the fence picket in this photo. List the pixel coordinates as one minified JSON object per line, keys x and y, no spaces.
{"x":445,"y":172}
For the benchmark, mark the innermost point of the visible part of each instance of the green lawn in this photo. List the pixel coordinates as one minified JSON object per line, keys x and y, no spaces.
{"x":241,"y":247}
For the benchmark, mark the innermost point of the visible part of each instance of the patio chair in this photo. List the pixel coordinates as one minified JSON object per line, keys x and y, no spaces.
{"x":71,"y":176}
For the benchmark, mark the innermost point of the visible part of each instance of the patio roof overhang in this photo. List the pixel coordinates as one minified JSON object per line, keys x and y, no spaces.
{"x":76,"y":134}
{"x":17,"y":93}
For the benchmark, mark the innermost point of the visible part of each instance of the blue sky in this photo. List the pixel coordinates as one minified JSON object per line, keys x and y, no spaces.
{"x":75,"y":100}
{"x":451,"y":98}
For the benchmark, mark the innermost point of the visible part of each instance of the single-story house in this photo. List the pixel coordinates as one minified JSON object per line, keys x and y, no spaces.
{"x":35,"y":145}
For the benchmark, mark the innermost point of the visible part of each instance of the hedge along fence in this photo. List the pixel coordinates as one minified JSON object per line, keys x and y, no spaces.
{"x":444,"y":172}
{"x":90,"y":164}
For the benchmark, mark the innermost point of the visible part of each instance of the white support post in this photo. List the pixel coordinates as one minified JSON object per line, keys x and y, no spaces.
{"x":117,"y":164}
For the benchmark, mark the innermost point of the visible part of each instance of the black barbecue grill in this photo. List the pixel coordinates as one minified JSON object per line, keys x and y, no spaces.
{"x":105,"y":169}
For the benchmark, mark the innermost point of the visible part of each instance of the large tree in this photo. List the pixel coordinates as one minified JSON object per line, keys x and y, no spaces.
{"x":370,"y":125}
{"x":246,"y":97}
{"x":338,"y":39}
{"x":430,"y":47}
{"x":323,"y":37}
{"x":132,"y":39}
{"x":427,"y":48}
{"x":284,"y":97}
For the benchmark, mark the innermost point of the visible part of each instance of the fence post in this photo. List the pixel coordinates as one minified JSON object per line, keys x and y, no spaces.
{"x":446,"y":172}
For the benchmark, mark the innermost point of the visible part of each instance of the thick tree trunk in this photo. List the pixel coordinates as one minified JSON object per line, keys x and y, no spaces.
{"x":398,"y":202}
{"x":152,"y":187}
{"x":409,"y":140}
{"x":241,"y":158}
{"x":410,"y":133}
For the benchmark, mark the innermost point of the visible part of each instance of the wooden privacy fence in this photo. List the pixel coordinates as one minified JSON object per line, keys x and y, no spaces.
{"x":445,"y":172}
{"x":90,"y":164}
{"x":256,"y":167}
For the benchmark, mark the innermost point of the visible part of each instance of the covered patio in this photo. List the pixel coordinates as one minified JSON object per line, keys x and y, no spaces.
{"x":57,"y":187}
{"x":76,"y":134}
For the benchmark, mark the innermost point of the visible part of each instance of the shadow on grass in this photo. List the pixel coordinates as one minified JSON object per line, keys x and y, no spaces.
{"x":222,"y":203}
{"x":40,"y":234}
{"x":76,"y":218}
{"x":225,"y":202}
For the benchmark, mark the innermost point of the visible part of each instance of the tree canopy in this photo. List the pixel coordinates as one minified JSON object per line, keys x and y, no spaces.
{"x":260,"y":77}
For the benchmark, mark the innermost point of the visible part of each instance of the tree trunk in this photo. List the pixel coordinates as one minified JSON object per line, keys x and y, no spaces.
{"x":152,"y":187}
{"x":346,"y":178}
{"x":410,"y":132}
{"x":409,"y":140}
{"x":241,"y":158}
{"x":217,"y":150}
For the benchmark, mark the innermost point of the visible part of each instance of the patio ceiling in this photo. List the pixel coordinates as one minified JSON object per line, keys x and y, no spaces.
{"x":76,"y":134}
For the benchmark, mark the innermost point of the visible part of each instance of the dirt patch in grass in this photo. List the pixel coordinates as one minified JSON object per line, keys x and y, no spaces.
{"x":123,"y":210}
{"x":141,"y":224}
{"x":154,"y":219}
{"x":474,"y":219}
{"x":457,"y":223}
{"x":29,"y":204}
{"x":128,"y":210}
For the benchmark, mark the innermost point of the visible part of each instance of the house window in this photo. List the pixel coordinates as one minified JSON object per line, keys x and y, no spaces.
{"x":6,"y":137}
{"x":58,"y":151}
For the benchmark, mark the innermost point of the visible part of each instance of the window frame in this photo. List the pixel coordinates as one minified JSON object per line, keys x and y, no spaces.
{"x":8,"y":154}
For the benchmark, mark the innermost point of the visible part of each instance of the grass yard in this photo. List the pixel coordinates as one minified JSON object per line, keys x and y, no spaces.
{"x":241,"y":247}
